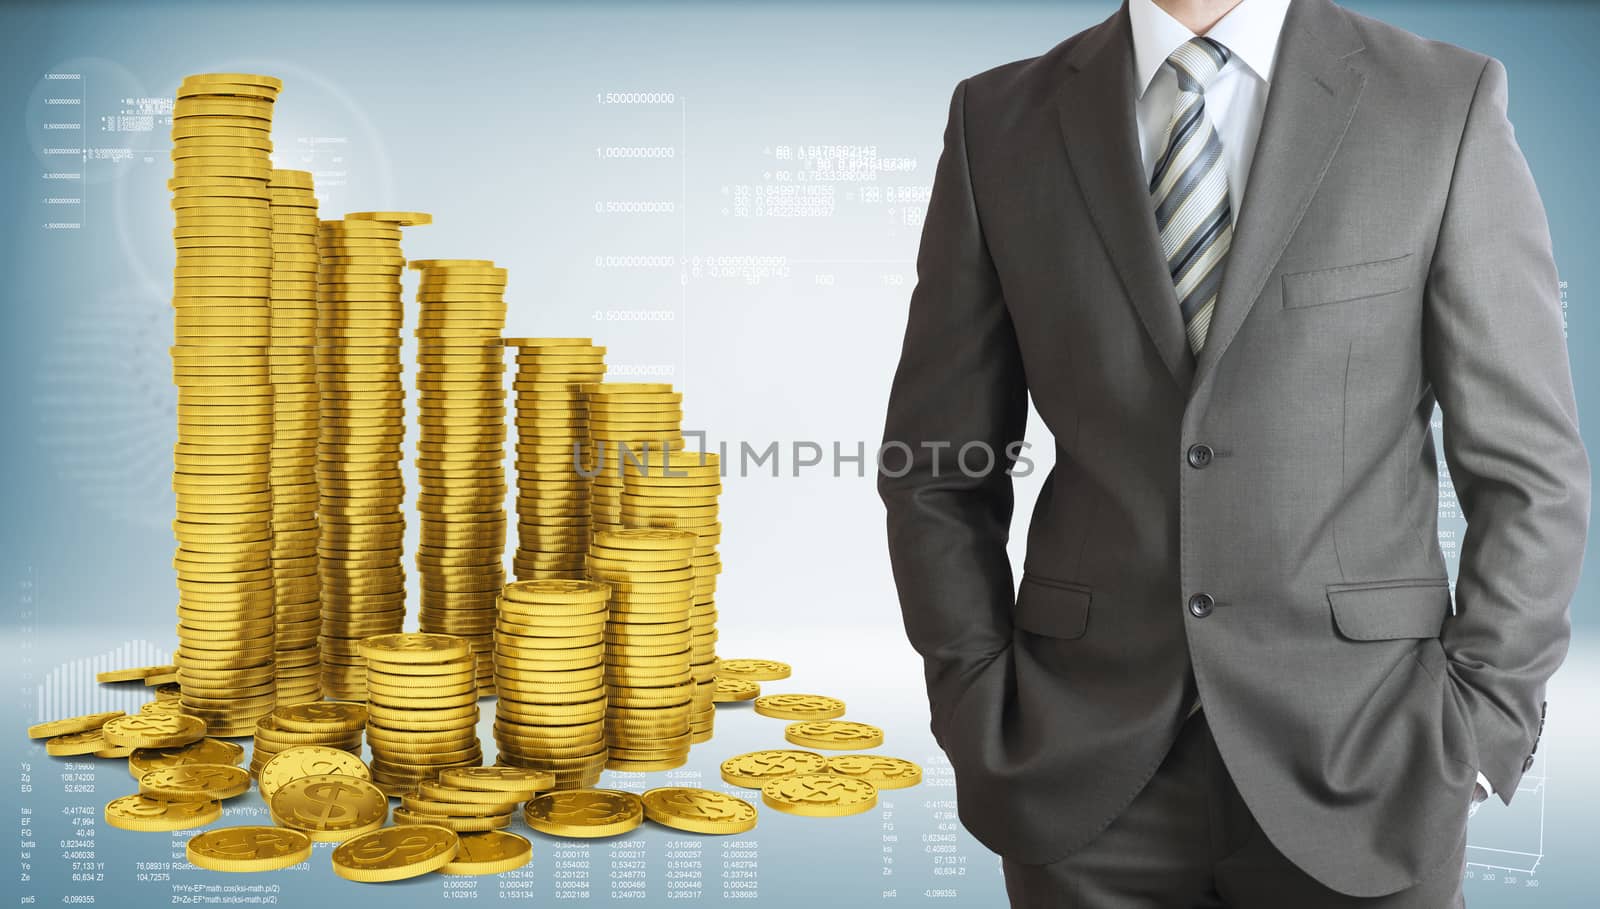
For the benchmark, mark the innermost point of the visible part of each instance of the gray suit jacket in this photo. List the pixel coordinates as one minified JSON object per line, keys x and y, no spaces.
{"x":1261,"y":523}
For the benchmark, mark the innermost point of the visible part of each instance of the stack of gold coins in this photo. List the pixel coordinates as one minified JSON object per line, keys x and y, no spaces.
{"x":627,"y":422}
{"x":553,"y":454}
{"x":221,"y":131}
{"x":461,"y":455}
{"x":422,"y":708}
{"x":550,"y":674}
{"x":649,"y":683}
{"x":291,"y":360}
{"x":359,"y":520}
{"x":679,"y":490}
{"x":330,"y":724}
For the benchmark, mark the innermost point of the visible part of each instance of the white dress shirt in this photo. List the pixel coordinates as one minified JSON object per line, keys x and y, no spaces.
{"x":1234,"y":101}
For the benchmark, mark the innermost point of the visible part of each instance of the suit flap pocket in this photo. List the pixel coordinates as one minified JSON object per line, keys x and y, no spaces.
{"x":1347,"y":282}
{"x":1379,"y":610}
{"x":1057,"y":609}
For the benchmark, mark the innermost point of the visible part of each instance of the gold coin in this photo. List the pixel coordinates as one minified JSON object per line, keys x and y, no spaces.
{"x":308,"y":760}
{"x":137,"y":812}
{"x":422,"y":804}
{"x":70,"y":725}
{"x":395,"y":853}
{"x":799,"y":706}
{"x":330,"y":807}
{"x":498,"y":779}
{"x":248,"y":849}
{"x":458,"y":823}
{"x":322,"y":716}
{"x":753,"y":670}
{"x":755,"y":769}
{"x":731,"y":689}
{"x":194,"y":782}
{"x":76,"y":743}
{"x":879,"y":770}
{"x":502,"y":799}
{"x":133,"y":674}
{"x":144,"y":731}
{"x":820,"y":795}
{"x":403,"y":218}
{"x":584,"y":812}
{"x":205,"y":751}
{"x":698,"y":810}
{"x":834,"y":734}
{"x":491,"y":852}
{"x":415,"y":648}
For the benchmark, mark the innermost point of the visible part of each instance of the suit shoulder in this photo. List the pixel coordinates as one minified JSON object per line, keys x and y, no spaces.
{"x":1426,"y":69}
{"x":1001,"y":92}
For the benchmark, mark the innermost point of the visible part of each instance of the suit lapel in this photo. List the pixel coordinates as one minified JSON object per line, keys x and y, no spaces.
{"x":1310,"y":103}
{"x":1095,"y":106}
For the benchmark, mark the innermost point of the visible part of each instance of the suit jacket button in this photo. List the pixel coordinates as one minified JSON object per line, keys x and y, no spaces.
{"x":1200,"y":605}
{"x":1200,"y":455}
{"x":1527,"y":764}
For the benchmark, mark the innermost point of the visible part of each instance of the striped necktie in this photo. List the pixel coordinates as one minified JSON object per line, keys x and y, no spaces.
{"x":1190,"y":190}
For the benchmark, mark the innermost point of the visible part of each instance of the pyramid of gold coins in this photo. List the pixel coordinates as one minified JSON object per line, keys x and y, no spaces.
{"x":600,"y":653}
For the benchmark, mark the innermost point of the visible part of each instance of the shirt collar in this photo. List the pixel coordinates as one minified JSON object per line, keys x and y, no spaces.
{"x":1249,"y":31}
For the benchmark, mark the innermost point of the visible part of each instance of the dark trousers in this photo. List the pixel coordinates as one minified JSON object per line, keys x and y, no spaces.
{"x":1187,"y":841}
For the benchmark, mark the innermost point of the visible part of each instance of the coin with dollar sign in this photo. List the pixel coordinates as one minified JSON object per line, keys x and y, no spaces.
{"x":395,"y":853}
{"x":248,"y":849}
{"x":330,"y":808}
{"x":698,"y":810}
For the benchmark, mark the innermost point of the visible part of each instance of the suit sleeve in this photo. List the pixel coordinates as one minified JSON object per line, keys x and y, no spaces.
{"x":959,"y":385}
{"x":1495,"y":352}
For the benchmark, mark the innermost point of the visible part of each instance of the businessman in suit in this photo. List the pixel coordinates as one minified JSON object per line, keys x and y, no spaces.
{"x":1236,"y":252}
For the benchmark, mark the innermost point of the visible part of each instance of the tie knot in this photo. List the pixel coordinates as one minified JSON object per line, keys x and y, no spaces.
{"x":1197,"y":62}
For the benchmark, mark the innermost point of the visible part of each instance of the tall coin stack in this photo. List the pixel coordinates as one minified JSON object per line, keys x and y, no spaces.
{"x":422,"y":708}
{"x":550,"y":672}
{"x":292,"y":363}
{"x":627,"y":421}
{"x":461,"y":455}
{"x":552,"y":414}
{"x":221,"y":131}
{"x":360,"y":524}
{"x":680,"y":491}
{"x":649,"y":682}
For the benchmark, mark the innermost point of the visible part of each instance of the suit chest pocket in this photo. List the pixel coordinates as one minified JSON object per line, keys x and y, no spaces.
{"x":1347,"y":283}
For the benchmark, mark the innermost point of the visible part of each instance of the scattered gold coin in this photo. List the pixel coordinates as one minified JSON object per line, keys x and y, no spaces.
{"x":205,"y":751}
{"x":248,"y":849}
{"x":880,"y":770}
{"x":195,"y":782}
{"x":820,"y":795}
{"x":146,"y":731}
{"x":136,"y":812}
{"x":395,"y":853}
{"x":799,"y":706}
{"x":841,"y":735}
{"x":491,"y":852}
{"x":308,"y":760}
{"x":753,"y":670}
{"x":70,"y":725}
{"x":755,"y":769}
{"x":730,"y":690}
{"x":74,"y":743}
{"x":698,"y":810}
{"x":584,"y":812}
{"x":133,"y":674}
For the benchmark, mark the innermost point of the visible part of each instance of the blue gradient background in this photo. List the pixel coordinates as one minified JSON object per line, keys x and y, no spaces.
{"x":486,"y":115}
